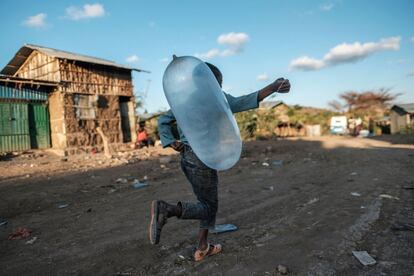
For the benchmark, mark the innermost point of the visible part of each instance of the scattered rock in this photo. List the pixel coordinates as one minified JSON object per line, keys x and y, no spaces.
{"x":121,"y":180}
{"x":282,"y":269}
{"x":3,"y":221}
{"x":32,"y":240}
{"x":139,"y":185}
{"x":62,"y":205}
{"x":388,"y":196}
{"x":364,"y":258}
{"x":278,"y":162}
{"x":355,"y":194}
{"x":312,"y":201}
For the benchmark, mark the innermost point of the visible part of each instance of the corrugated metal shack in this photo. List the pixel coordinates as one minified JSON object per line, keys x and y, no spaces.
{"x":90,"y":93}
{"x":402,"y":115}
{"x":24,"y":117}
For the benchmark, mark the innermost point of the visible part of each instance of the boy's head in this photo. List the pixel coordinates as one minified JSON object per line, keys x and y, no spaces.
{"x":216,"y":72}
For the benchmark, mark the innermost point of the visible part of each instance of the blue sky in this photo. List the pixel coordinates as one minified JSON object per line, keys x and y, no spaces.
{"x":323,"y":47}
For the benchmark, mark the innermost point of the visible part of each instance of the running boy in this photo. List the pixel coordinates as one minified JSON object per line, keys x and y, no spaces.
{"x":203,"y":179}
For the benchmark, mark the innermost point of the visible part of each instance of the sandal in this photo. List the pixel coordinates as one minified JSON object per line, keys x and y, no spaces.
{"x":212,"y":249}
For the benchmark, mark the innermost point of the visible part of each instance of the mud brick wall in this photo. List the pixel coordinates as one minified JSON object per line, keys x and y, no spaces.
{"x":57,"y":120}
{"x":81,"y":134}
{"x":95,"y":79}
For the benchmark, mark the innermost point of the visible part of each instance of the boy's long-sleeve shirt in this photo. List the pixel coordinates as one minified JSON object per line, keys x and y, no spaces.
{"x":237,"y":104}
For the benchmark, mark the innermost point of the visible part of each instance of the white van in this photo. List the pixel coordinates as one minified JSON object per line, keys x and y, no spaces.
{"x":339,"y":125}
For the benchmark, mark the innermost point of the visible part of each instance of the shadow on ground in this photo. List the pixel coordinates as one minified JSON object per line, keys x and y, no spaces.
{"x":301,"y":212}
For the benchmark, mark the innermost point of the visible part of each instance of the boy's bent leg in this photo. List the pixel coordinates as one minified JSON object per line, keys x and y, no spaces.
{"x":204,"y":182}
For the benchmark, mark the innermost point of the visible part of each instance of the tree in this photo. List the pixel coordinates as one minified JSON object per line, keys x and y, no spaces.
{"x":368,"y":102}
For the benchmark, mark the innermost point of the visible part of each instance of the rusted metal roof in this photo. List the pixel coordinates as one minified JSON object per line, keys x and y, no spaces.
{"x":24,"y":52}
{"x":5,"y":79}
{"x":404,"y":108}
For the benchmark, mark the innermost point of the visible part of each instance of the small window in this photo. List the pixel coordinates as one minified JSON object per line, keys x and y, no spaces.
{"x":85,"y":106}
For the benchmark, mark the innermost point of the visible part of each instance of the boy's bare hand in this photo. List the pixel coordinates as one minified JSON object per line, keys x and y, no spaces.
{"x":281,"y":85}
{"x":177,"y":145}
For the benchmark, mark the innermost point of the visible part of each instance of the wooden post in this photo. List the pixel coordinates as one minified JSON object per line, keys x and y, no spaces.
{"x":105,"y":143}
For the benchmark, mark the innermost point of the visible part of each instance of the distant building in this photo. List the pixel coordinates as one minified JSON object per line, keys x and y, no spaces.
{"x":80,"y":93}
{"x":401,"y":115}
{"x":271,"y":104}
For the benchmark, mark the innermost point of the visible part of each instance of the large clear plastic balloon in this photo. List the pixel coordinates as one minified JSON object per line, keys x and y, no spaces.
{"x":202,"y":112}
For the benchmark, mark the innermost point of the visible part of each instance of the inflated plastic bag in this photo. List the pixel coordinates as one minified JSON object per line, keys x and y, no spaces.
{"x":202,"y":112}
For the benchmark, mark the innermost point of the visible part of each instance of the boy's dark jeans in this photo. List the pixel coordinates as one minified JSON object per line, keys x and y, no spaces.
{"x":204,"y":181}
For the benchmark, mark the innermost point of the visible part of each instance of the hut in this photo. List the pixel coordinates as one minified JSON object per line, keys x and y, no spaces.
{"x":90,"y":93}
{"x":402,"y":115}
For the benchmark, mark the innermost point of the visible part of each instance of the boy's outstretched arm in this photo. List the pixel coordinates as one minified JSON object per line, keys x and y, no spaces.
{"x":165,"y":131}
{"x":280,"y":85}
{"x":251,"y":101}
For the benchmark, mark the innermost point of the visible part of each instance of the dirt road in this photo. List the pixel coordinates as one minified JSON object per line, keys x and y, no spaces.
{"x":328,"y":197}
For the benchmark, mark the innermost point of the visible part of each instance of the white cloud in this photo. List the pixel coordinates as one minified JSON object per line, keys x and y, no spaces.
{"x":345,"y":53}
{"x":85,"y":12}
{"x":306,"y":63}
{"x":356,"y":51}
{"x":234,"y":42}
{"x":165,"y":59}
{"x":262,"y":77}
{"x":132,"y":59}
{"x":327,"y":6}
{"x":36,"y":21}
{"x":210,"y":54}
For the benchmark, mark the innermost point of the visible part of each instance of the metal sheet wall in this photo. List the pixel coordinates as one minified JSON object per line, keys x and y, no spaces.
{"x":7,"y":92}
{"x":14,"y":127}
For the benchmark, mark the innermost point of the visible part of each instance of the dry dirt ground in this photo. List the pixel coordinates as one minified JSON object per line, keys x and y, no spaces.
{"x":330,"y":196}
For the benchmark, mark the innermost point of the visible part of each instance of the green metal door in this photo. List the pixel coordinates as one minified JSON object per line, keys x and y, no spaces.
{"x":14,"y":127}
{"x":39,"y":126}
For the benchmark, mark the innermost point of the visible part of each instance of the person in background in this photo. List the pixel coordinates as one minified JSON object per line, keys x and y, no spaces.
{"x":143,"y":140}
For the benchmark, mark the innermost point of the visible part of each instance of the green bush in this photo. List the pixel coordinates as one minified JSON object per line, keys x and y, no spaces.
{"x":409,"y":129}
